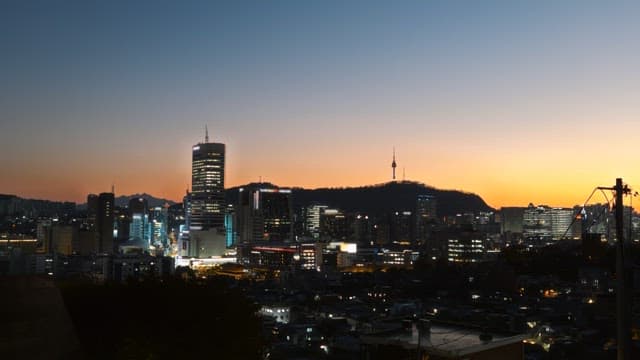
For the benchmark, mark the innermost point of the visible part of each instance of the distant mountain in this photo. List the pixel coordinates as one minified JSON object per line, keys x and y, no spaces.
{"x":123,"y":200}
{"x":378,"y":199}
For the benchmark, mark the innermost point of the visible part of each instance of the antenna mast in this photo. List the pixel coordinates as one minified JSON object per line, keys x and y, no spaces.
{"x":393,"y":164}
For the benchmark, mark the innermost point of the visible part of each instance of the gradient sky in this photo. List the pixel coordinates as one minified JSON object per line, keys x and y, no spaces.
{"x":518,"y":101}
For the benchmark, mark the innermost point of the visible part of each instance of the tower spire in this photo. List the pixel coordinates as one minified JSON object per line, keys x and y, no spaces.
{"x":206,"y":134}
{"x":393,"y":164}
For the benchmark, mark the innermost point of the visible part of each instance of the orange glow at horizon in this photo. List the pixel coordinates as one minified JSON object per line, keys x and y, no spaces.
{"x":509,"y":182}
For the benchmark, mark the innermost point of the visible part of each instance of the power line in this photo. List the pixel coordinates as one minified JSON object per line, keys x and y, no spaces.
{"x":576,"y":217}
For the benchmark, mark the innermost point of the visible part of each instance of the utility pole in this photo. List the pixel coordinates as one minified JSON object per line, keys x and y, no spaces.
{"x":623,"y":305}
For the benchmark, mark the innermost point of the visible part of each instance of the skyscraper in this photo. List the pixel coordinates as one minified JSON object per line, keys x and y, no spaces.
{"x":536,"y":224}
{"x":139,"y":225}
{"x":100,"y":218}
{"x":426,"y":217}
{"x":562,"y":224}
{"x":207,"y":186}
{"x":312,"y":221}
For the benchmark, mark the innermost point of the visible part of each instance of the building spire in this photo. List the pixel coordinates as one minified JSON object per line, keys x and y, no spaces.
{"x":206,"y":134}
{"x":393,"y":164}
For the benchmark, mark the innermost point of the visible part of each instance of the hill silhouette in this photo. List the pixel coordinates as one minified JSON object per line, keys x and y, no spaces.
{"x":381,"y":198}
{"x":151,"y":200}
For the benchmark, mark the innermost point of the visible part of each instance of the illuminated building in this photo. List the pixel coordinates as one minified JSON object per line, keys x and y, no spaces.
{"x":465,"y":247}
{"x":340,"y":254}
{"x":400,"y":258}
{"x":272,"y":256}
{"x":230,"y":229}
{"x":536,"y":225}
{"x":264,"y":214}
{"x":541,"y":224}
{"x":139,"y":225}
{"x":311,"y":256}
{"x":312,"y":220}
{"x":279,"y":313}
{"x":333,"y":225}
{"x":562,"y":223}
{"x":306,"y":256}
{"x":425,"y":217}
{"x":158,"y":226}
{"x":207,"y":186}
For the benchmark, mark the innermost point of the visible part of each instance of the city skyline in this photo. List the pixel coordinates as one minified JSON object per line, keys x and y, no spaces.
{"x":517,"y":103}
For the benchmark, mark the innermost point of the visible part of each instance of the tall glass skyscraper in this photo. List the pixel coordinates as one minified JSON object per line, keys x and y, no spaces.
{"x":207,"y":186}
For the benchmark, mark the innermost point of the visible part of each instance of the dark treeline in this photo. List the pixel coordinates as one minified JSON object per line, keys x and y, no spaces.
{"x":163,"y":319}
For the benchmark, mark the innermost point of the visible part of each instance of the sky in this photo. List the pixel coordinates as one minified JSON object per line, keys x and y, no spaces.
{"x":517,"y":101}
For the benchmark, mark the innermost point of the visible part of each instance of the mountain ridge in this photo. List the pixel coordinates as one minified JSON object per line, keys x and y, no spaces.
{"x":380,"y":198}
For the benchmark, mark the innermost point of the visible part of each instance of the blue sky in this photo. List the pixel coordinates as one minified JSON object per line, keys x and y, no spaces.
{"x":482,"y":96}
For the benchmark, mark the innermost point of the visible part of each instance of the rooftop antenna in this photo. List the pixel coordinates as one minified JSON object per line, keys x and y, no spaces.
{"x":403,"y":174}
{"x":206,"y":134}
{"x":113,"y":188}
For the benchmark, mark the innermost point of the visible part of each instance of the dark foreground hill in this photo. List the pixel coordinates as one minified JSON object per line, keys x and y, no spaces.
{"x":378,"y":199}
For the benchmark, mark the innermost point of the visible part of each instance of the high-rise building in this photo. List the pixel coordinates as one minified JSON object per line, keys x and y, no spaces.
{"x":158,"y":226}
{"x":562,"y":224}
{"x":401,"y":227}
{"x":541,"y":224}
{"x":122,"y":224}
{"x":536,"y":224}
{"x":105,"y":222}
{"x":312,"y":219}
{"x":333,"y":225}
{"x":265,"y":213}
{"x":207,"y":186}
{"x":362,"y":230}
{"x":426,"y":217}
{"x":511,"y":219}
{"x":229,"y":225}
{"x":92,"y":211}
{"x":139,"y":225}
